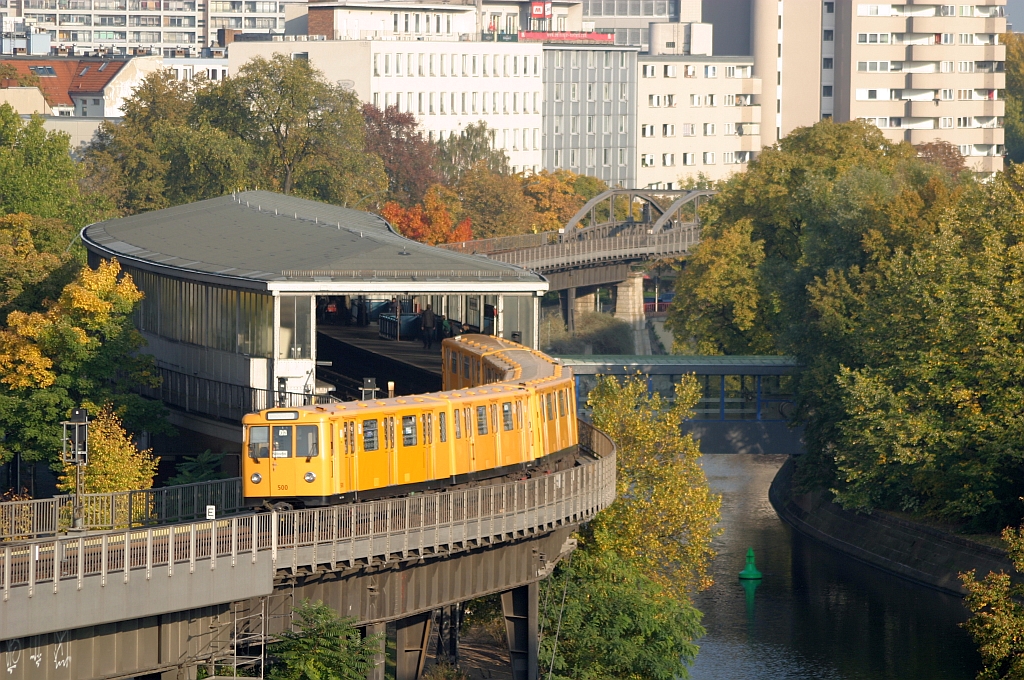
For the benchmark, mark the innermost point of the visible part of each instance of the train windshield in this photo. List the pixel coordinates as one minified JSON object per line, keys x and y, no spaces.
{"x":259,"y":441}
{"x":308,"y":444}
{"x":283,"y":435}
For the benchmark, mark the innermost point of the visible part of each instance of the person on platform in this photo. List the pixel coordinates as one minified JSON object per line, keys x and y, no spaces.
{"x":428,"y":321}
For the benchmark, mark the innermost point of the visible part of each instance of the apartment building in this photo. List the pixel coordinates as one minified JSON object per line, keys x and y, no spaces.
{"x":922,"y":73}
{"x":697,"y":114}
{"x":171,"y":28}
{"x":446,"y":84}
{"x":590,"y":113}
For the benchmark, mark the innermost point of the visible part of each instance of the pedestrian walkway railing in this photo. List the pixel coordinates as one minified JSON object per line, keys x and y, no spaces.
{"x":20,"y":520}
{"x":356,"y":533}
{"x":223,"y":400}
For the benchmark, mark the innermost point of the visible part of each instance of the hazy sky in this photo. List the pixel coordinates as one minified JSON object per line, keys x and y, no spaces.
{"x":1015,"y":14}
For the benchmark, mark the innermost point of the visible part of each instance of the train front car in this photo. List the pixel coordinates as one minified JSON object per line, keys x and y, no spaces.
{"x":287,"y":461}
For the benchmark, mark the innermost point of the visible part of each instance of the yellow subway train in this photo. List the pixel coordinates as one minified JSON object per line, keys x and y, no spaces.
{"x":504,"y":410}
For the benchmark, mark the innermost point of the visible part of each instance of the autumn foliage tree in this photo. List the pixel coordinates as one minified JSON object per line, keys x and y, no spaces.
{"x":410,"y":160}
{"x":115,"y":463}
{"x":432,"y":222}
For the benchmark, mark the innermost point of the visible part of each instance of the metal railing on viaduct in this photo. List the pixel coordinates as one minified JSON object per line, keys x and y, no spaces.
{"x":58,"y":593}
{"x":606,"y":232}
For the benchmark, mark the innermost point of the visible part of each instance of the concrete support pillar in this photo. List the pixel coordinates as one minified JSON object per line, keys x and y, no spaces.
{"x":586,"y":303}
{"x":519,"y":606}
{"x":412,"y":635}
{"x":377,"y":672}
{"x":570,"y":309}
{"x":629,"y":306}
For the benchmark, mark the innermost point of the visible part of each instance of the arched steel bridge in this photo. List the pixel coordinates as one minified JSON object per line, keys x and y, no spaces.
{"x":614,"y":229}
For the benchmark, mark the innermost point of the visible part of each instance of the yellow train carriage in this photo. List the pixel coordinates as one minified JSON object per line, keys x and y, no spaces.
{"x":506,"y":409}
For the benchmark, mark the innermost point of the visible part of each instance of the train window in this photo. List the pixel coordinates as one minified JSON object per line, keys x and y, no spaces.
{"x":428,"y":422}
{"x":494,"y":417}
{"x":371,"y":442}
{"x":455,"y":363}
{"x":408,"y":430}
{"x":519,"y":414}
{"x":468,"y":421}
{"x":506,"y":415}
{"x":561,"y":403}
{"x":465,"y":367}
{"x":458,"y":425}
{"x":259,"y":441}
{"x":352,"y":437}
{"x":442,"y":426}
{"x":308,"y":441}
{"x":551,"y":410}
{"x":282,"y":441}
{"x":481,"y":420}
{"x":344,"y":436}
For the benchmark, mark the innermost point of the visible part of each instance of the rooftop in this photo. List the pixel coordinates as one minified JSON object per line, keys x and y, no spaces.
{"x":268,"y":241}
{"x":62,"y":77}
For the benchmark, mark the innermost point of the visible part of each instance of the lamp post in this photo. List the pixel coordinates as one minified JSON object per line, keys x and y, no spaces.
{"x":75,"y":451}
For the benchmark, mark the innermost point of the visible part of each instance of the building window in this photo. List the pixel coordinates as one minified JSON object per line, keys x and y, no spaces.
{"x":646,"y":130}
{"x":606,"y":157}
{"x":946,"y":122}
{"x":623,"y":92}
{"x":709,"y":129}
{"x":694,"y":100}
{"x":946,"y":94}
{"x":668,"y":130}
{"x":622,"y":156}
{"x":647,"y":160}
{"x":873,"y":38}
{"x":670,"y":71}
{"x":945,"y":67}
{"x":574,"y":158}
{"x":574,"y":91}
{"x":946,"y":39}
{"x":826,"y":90}
{"x":709,"y":100}
{"x":967,"y":67}
{"x":689,"y":129}
{"x":827,"y":63}
{"x":830,"y":8}
{"x":650,"y":71}
{"x":709,"y":158}
{"x":961,"y":122}
{"x":558,"y":92}
{"x":828,"y":35}
{"x":590,"y":126}
{"x":654,"y":100}
{"x":710,"y":71}
{"x":729,"y":100}
{"x":966,"y":149}
{"x":668,"y":159}
{"x":689,"y":159}
{"x":728,"y":157}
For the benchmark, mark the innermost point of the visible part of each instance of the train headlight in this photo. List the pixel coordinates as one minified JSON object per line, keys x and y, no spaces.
{"x":256,"y":478}
{"x":309,"y":477}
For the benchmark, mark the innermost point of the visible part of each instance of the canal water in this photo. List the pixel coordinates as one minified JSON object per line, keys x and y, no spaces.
{"x":816,"y":614}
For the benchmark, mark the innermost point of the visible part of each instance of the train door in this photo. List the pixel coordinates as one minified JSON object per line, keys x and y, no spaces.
{"x":471,"y":432}
{"x":282,"y":461}
{"x":391,"y":446}
{"x":347,"y":477}
{"x":372,"y":467}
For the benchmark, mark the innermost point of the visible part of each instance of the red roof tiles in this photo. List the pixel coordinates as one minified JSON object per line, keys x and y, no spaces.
{"x":71,"y":76}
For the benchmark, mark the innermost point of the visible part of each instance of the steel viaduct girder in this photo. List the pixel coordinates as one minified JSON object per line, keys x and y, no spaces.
{"x":600,"y":224}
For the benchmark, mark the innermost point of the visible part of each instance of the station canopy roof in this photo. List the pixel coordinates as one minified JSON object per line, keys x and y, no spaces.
{"x":267,"y":241}
{"x":676,"y":364}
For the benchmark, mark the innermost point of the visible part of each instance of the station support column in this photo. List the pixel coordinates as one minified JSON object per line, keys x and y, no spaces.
{"x":412,"y":635}
{"x":520,"y":607}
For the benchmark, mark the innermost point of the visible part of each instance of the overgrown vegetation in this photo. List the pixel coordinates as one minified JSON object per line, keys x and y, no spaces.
{"x":595,"y":332}
{"x":322,"y":646}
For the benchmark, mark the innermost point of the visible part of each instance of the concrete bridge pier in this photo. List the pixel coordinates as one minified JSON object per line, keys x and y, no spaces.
{"x":521,"y":609}
{"x":629,"y":306}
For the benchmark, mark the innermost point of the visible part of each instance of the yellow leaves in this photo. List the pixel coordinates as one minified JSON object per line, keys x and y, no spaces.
{"x":665,"y":515}
{"x":115,"y":464}
{"x":32,"y":343}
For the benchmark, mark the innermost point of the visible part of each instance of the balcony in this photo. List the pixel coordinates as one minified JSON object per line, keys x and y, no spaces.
{"x":973,"y":107}
{"x":956,"y":52}
{"x":936,"y":81}
{"x":745,"y":114}
{"x":957,"y":136}
{"x":956,"y":25}
{"x":747,"y":85}
{"x":984,"y":163}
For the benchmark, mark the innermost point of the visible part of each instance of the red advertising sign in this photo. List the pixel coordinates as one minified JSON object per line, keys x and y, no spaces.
{"x":567,"y":36}
{"x":536,"y":10}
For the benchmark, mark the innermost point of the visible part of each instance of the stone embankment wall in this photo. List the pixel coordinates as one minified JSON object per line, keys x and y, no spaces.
{"x":920,"y":553}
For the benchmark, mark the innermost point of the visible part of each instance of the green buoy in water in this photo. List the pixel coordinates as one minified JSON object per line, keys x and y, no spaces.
{"x":750,"y":572}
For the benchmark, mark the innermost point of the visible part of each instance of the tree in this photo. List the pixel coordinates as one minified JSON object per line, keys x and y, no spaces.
{"x":494,"y":203}
{"x":557,"y":196}
{"x":39,"y":176}
{"x":616,"y":623}
{"x":1013,"y":122}
{"x":202,"y":468}
{"x":942,"y":154}
{"x":410,"y":160}
{"x":115,"y":463}
{"x":34,"y":261}
{"x":325,"y":647}
{"x":81,"y":349}
{"x":664,"y":516}
{"x":997,"y":616}
{"x":471,"y":148}
{"x":429,"y":223}
{"x":306,"y":134}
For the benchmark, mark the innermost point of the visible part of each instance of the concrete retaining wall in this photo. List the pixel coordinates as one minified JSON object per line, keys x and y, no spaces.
{"x":920,"y":553}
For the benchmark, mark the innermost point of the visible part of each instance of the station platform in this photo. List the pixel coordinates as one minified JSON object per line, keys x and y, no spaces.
{"x":358,"y":352}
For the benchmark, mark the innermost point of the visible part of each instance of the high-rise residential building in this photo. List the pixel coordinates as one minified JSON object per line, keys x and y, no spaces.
{"x":590,"y":111}
{"x":696,"y":114}
{"x":446,"y":84}
{"x":923,"y":73}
